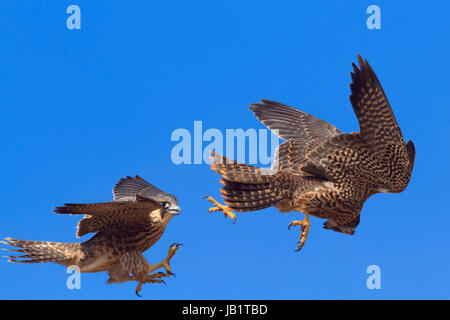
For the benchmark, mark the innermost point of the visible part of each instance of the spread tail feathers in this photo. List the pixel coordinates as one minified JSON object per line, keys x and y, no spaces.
{"x":248,"y":188}
{"x":41,"y":251}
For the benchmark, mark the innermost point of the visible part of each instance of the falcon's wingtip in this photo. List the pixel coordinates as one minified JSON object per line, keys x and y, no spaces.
{"x":360,"y":59}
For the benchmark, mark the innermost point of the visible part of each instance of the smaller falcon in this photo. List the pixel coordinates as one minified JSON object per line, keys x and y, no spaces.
{"x":124,"y":228}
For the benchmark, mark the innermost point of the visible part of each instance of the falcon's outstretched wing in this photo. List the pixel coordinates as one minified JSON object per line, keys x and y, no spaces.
{"x":303,"y":132}
{"x":376,"y":120}
{"x":291,"y":123}
{"x":110,"y":215}
{"x":131,"y":189}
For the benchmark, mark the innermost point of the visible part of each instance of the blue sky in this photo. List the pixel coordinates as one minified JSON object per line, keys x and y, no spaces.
{"x":80,"y":109}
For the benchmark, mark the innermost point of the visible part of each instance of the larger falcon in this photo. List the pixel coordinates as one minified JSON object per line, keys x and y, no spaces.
{"x":319,"y":170}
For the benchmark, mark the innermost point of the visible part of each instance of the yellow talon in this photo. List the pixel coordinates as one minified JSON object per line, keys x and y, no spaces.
{"x":220,"y":207}
{"x":155,"y":278}
{"x":151,"y":278}
{"x":166,"y":262}
{"x":305,"y":224}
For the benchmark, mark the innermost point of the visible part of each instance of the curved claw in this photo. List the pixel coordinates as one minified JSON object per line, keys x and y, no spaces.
{"x":137,"y":293}
{"x":171,"y":274}
{"x":175,"y":244}
{"x":304,"y":224}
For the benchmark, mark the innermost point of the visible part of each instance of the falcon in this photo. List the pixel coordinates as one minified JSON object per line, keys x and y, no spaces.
{"x":124,"y":228}
{"x":318,"y":170}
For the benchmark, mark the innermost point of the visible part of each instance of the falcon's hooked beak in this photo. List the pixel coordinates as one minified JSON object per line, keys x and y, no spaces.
{"x":173,"y":209}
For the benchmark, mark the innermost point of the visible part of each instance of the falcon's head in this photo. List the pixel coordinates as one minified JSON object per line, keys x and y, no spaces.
{"x":168,"y":202}
{"x":137,"y":189}
{"x":348,"y":228}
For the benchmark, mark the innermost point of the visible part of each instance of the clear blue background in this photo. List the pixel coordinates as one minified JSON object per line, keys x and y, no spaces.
{"x":82,"y":108}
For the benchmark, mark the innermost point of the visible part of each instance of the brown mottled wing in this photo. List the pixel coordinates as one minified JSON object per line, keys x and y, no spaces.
{"x":302,"y":132}
{"x":291,"y":155}
{"x":376,"y":120}
{"x":338,"y":158}
{"x":136,"y":188}
{"x":110,"y":215}
{"x":292,"y":123}
{"x":126,"y":189}
{"x":364,"y":152}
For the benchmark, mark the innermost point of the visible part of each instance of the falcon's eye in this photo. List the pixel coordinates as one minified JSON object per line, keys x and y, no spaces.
{"x":165,"y":205}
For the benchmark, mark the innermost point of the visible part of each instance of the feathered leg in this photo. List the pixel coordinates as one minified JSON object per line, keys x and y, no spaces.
{"x":141,"y":271}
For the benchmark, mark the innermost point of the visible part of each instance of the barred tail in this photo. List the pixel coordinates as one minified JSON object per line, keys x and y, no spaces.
{"x":247,"y":188}
{"x":41,"y":251}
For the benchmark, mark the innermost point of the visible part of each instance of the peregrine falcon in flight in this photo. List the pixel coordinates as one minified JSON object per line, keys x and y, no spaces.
{"x":318,"y":170}
{"x":124,"y":228}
